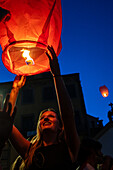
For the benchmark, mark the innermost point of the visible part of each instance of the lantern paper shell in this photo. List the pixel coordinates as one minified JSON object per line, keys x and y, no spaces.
{"x":29,"y":25}
{"x":104,"y":91}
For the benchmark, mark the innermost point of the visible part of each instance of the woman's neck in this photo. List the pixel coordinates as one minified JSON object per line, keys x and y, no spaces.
{"x":49,"y":139}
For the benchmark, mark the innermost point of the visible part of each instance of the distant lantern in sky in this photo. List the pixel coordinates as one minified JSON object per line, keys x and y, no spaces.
{"x":104,"y":91}
{"x":26,"y":29}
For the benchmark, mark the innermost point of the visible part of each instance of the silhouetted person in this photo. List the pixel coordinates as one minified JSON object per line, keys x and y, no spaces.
{"x":89,"y":154}
{"x":6,"y":123}
{"x":107,"y":163}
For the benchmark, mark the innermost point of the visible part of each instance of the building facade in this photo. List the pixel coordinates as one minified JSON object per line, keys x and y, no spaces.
{"x":38,"y":94}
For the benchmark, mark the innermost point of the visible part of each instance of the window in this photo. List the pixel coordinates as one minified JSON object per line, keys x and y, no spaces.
{"x":4,"y":159}
{"x":71,"y":90}
{"x":4,"y":154}
{"x":1,"y":101}
{"x":31,"y":133}
{"x":92,"y":124}
{"x":27,"y":123}
{"x":48,"y":93}
{"x":77,"y":120}
{"x":27,"y":96}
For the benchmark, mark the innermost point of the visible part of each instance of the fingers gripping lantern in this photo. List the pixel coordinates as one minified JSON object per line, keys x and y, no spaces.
{"x":27,"y":28}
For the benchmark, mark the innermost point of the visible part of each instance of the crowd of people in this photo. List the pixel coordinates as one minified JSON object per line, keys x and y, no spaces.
{"x":56,"y":144}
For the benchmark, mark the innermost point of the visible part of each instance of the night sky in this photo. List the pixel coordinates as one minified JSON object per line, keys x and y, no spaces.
{"x":87,"y":48}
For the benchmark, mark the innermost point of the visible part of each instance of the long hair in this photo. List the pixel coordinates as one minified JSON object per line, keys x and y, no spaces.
{"x":37,"y":140}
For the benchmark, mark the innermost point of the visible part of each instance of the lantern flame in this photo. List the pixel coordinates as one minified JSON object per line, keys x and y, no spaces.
{"x":26,"y":56}
{"x":104,"y":91}
{"x":104,"y":95}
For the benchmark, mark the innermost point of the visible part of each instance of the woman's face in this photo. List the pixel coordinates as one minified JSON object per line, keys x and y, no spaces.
{"x":49,"y":121}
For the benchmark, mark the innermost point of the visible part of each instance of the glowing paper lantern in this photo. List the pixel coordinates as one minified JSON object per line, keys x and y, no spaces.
{"x":26,"y":28}
{"x":104,"y":91}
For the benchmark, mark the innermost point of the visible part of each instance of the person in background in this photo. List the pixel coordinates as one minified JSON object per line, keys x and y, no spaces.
{"x":56,"y":144}
{"x":90,"y":154}
{"x":107,"y":163}
{"x":6,"y":123}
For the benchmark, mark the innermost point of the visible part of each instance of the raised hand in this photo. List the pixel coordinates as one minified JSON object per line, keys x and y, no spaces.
{"x":19,"y":81}
{"x":54,"y":65}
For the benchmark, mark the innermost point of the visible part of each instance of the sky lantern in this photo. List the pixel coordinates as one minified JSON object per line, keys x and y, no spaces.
{"x":104,"y":91}
{"x":27,"y":27}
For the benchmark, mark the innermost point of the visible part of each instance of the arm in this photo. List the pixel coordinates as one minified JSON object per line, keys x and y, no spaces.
{"x":17,"y":84}
{"x":6,"y":122}
{"x":18,"y":141}
{"x":65,"y":106}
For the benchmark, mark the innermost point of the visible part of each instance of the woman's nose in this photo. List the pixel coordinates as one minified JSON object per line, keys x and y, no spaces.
{"x":46,"y":119}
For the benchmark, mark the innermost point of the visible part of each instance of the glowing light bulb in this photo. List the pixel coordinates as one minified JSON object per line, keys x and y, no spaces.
{"x":26,"y":56}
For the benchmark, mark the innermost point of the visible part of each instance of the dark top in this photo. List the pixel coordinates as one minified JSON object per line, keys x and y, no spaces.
{"x":51,"y":157}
